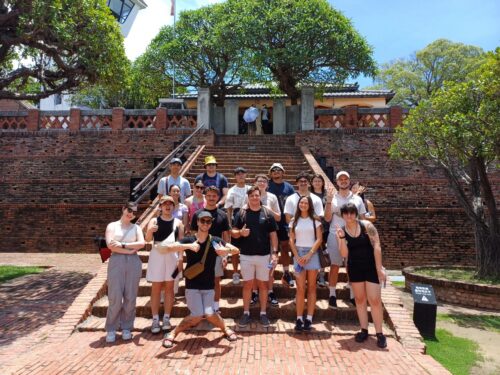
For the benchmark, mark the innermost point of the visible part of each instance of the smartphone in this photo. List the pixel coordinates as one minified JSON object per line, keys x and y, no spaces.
{"x":175,"y":273}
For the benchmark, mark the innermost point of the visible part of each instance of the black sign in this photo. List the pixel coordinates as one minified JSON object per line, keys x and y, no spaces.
{"x":423,"y":294}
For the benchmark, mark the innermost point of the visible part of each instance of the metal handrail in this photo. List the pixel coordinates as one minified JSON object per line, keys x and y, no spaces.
{"x":147,"y":183}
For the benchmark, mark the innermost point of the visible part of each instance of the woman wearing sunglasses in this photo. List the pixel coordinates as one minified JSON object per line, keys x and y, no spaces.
{"x":124,"y":239}
{"x":196,"y":201}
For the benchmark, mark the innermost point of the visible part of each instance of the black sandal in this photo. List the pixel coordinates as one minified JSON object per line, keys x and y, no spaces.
{"x":361,"y":335}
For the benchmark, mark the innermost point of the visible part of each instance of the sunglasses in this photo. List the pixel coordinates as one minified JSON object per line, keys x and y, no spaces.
{"x":276,"y":170}
{"x":199,"y":187}
{"x":131,"y":211}
{"x":205,"y":221}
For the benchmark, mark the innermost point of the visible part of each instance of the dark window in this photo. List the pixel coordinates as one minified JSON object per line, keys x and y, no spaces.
{"x":121,"y":9}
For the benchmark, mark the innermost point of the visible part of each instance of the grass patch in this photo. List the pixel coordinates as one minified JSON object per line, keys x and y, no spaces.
{"x":456,"y":274}
{"x":398,"y":284}
{"x":486,"y":322}
{"x":457,"y":354}
{"x":11,"y":272}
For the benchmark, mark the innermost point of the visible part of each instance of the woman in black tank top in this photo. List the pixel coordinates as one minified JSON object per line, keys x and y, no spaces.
{"x":359,"y":242}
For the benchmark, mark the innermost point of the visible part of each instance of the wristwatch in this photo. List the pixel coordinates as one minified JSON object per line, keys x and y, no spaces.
{"x":123,"y":245}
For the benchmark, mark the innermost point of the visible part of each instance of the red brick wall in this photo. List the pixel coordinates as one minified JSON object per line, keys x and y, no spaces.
{"x":59,"y":189}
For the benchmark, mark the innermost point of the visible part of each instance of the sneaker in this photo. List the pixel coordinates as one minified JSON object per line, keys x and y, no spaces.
{"x":155,"y":326}
{"x":111,"y":337}
{"x":254,"y":299}
{"x":126,"y":335}
{"x":272,"y":299}
{"x":381,"y":340}
{"x":264,"y":320}
{"x":361,"y":335}
{"x":236,"y":278}
{"x":244,"y":320}
{"x":299,"y":325}
{"x":321,"y":280}
{"x":288,"y":280}
{"x":307,"y":325}
{"x":332,"y":302}
{"x":353,"y":301}
{"x":166,"y":323}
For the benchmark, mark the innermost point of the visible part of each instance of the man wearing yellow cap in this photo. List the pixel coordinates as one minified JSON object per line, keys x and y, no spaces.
{"x":213,"y":178}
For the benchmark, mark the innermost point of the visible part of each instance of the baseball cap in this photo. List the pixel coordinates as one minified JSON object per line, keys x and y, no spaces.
{"x":240,"y":169}
{"x":344,"y":173}
{"x":166,"y":198}
{"x":203,"y":214}
{"x":276,"y":165}
{"x":176,"y":160}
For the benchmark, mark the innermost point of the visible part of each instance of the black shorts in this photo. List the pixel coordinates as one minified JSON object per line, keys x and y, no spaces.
{"x":361,"y":272}
{"x":283,"y":235}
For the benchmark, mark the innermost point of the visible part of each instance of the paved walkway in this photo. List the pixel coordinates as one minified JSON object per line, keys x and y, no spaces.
{"x":33,"y":305}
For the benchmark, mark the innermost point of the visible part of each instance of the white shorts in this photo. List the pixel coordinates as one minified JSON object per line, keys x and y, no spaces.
{"x":333,"y":249}
{"x":219,"y":270}
{"x":161,"y":266}
{"x":254,"y":267}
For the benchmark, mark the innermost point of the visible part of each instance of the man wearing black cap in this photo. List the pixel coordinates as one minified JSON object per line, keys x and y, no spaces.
{"x":236,"y":197}
{"x":174,"y":178}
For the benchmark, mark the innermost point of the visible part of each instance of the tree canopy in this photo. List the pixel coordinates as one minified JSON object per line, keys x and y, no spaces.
{"x":458,"y":131}
{"x":418,"y":77}
{"x":296,"y":42}
{"x":51,"y":46}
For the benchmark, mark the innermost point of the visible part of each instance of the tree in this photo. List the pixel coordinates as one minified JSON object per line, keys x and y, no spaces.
{"x":419,"y":76}
{"x":201,"y":50}
{"x":51,"y":46}
{"x":296,"y":42}
{"x":458,"y":131}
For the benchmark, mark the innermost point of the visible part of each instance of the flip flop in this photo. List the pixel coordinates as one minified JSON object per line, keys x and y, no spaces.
{"x":231,"y":335}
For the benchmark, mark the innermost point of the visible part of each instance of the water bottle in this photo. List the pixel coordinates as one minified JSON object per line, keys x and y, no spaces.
{"x":270,"y":265}
{"x":298,"y":268}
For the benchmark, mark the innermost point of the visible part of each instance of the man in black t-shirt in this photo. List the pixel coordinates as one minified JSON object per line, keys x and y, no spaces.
{"x":256,"y":228}
{"x":204,"y":249}
{"x":220,"y":228}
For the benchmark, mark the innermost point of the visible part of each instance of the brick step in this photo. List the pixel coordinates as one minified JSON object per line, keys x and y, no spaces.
{"x":250,"y":159}
{"x":233,"y":308}
{"x":340,"y":328}
{"x":229,"y":290}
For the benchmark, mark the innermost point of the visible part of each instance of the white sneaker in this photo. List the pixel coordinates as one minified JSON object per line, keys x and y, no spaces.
{"x":155,"y":326}
{"x":236,"y":278}
{"x":166,"y":323}
{"x":126,"y":335}
{"x":111,"y":337}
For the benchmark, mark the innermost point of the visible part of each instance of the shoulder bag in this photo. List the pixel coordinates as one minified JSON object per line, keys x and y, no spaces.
{"x":197,"y":268}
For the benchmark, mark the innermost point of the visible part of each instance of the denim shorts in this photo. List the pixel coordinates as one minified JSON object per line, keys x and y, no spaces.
{"x":313,"y":263}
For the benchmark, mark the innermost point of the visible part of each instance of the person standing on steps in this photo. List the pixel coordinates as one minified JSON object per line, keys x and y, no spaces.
{"x":282,"y":189}
{"x":334,"y":201}
{"x":219,"y":228}
{"x":203,"y":248}
{"x":318,"y":188}
{"x":236,"y":197}
{"x":124,"y":239}
{"x":180,"y":210}
{"x":358,"y":240}
{"x":305,"y":239}
{"x":196,"y":201}
{"x":256,"y":228}
{"x":174,"y":178}
{"x":162,"y":267}
{"x":213,"y":178}
{"x":302,"y":181}
{"x":265,"y":119}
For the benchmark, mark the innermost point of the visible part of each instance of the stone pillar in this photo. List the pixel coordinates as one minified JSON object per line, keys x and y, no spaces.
{"x":351,"y":116}
{"x":279,"y":116}
{"x":204,"y":107}
{"x":118,"y":118}
{"x":231,"y":116}
{"x":161,"y":118}
{"x":75,"y":116}
{"x":307,"y":108}
{"x":395,"y":116}
{"x":33,"y":120}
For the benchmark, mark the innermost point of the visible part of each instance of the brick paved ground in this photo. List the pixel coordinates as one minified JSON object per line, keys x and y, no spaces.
{"x":31,"y":317}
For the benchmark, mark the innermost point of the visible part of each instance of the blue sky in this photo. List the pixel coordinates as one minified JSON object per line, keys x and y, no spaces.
{"x":394,"y":28}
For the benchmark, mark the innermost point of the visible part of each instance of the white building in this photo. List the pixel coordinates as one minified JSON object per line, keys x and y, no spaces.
{"x":125,"y":12}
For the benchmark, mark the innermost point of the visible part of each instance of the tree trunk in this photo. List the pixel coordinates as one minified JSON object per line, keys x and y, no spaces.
{"x":488,"y":249}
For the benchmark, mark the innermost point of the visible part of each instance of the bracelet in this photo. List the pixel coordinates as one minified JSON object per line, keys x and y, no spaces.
{"x":342,"y":237}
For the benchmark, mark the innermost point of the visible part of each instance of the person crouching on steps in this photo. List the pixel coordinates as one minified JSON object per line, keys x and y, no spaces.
{"x":200,"y":277}
{"x":124,"y":272}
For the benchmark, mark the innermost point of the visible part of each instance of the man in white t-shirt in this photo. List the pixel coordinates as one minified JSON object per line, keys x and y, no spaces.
{"x":236,"y":197}
{"x":302,"y":180}
{"x":332,"y":214}
{"x":174,"y":178}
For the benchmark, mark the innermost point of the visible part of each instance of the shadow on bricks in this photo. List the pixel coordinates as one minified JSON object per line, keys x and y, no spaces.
{"x":35,"y":301}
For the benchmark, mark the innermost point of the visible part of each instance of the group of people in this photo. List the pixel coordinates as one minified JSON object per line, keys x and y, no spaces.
{"x":256,"y":226}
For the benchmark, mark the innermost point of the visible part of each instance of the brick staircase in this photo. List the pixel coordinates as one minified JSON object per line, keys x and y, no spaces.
{"x":256,"y":154}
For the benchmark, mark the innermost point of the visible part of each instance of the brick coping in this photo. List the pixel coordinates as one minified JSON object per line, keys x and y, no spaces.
{"x":457,"y":292}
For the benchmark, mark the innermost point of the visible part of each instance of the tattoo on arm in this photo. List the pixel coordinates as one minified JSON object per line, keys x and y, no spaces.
{"x":372,"y":234}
